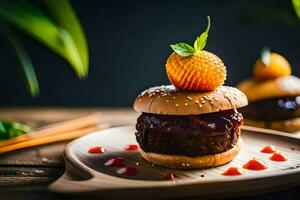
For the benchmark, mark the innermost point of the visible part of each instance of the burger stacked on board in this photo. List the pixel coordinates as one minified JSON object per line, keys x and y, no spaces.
{"x":192,"y":123}
{"x":273,"y":94}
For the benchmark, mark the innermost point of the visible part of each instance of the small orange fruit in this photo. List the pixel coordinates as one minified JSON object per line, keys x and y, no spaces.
{"x":276,"y":66}
{"x":203,"y":71}
{"x":192,"y":68}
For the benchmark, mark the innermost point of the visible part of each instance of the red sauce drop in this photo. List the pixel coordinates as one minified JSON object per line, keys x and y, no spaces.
{"x":128,"y":171}
{"x":115,"y":162}
{"x":255,"y":164}
{"x":169,"y":176}
{"x":96,"y":150}
{"x":279,"y":157}
{"x":233,"y":171}
{"x":131,"y":147}
{"x":268,"y":149}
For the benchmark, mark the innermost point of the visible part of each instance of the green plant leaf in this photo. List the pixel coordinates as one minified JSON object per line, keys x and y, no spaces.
{"x":65,"y":16}
{"x":24,"y":60}
{"x":2,"y":128}
{"x":32,"y":21}
{"x":266,"y":55}
{"x":10,"y":129}
{"x":200,"y":42}
{"x":296,"y":4}
{"x":183,"y":49}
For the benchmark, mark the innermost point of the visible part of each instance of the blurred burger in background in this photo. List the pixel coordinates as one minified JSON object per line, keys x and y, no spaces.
{"x":273,"y":94}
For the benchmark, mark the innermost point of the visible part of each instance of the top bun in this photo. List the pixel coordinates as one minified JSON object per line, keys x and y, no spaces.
{"x":272,"y":88}
{"x":169,"y":100}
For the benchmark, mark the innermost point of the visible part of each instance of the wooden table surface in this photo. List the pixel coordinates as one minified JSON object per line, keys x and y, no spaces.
{"x":25,"y":174}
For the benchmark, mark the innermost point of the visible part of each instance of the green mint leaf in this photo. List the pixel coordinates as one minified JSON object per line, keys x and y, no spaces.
{"x":183,"y":49}
{"x":266,"y":55}
{"x":200,"y":42}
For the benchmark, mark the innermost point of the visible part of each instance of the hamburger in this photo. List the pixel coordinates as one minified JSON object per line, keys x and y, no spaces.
{"x":273,"y":103}
{"x":189,"y":129}
{"x":273,"y":94}
{"x":193,"y":123}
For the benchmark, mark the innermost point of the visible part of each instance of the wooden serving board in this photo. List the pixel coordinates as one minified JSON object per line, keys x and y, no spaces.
{"x":86,"y":173}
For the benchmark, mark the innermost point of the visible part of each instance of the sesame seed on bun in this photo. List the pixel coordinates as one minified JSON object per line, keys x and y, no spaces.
{"x":169,"y":100}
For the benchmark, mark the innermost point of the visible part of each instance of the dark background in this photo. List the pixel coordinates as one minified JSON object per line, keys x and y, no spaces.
{"x":129,"y":44}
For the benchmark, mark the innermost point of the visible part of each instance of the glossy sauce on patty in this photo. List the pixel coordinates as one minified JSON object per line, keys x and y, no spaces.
{"x":191,"y":135}
{"x":205,"y":124}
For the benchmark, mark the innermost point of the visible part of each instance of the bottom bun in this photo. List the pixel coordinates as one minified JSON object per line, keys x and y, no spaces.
{"x":290,"y":125}
{"x":185,"y":162}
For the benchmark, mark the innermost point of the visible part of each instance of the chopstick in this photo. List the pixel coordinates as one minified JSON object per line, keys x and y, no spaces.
{"x":69,"y":135}
{"x":61,"y":127}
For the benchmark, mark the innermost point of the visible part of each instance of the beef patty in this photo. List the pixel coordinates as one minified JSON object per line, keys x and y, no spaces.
{"x":190,"y":135}
{"x":282,"y":108}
